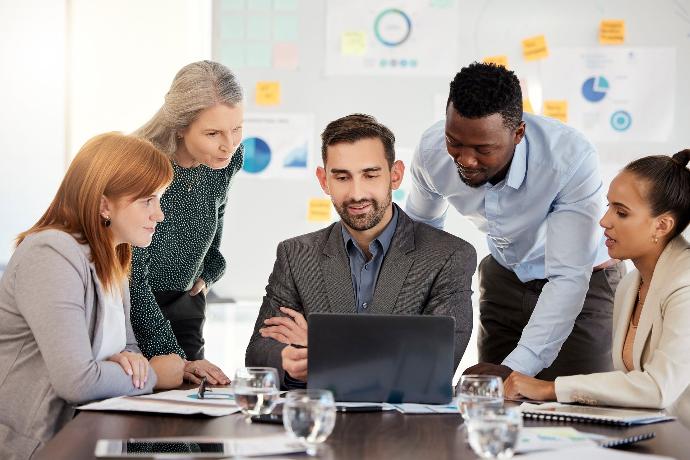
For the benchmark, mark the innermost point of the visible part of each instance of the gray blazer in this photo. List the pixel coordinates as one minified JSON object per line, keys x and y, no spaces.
{"x":50,"y":325}
{"x":426,"y":271}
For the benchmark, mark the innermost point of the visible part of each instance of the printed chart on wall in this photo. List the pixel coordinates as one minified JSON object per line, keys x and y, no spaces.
{"x":403,"y":37}
{"x":623,"y":94}
{"x":278,"y":145}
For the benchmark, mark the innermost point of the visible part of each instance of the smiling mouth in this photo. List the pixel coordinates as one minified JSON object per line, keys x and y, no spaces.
{"x":358,"y":208}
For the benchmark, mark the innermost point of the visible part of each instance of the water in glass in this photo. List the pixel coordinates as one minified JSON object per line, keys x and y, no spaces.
{"x":309,"y":416}
{"x":493,"y":433}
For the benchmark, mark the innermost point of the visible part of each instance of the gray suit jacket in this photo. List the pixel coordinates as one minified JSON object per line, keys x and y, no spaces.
{"x":425,"y":272}
{"x":50,"y":322}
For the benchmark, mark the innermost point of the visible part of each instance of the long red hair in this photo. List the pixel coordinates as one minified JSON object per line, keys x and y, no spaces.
{"x":113,"y":165}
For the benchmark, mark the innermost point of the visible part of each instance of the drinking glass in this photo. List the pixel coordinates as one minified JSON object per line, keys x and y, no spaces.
{"x":256,"y":390}
{"x":477,"y":391}
{"x":309,"y":416}
{"x":493,"y":432}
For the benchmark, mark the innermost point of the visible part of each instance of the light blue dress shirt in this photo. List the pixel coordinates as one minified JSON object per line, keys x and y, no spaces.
{"x":541,"y":222}
{"x":365,"y":272}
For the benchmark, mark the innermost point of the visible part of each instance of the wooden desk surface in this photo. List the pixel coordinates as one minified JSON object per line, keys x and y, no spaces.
{"x":378,"y":435}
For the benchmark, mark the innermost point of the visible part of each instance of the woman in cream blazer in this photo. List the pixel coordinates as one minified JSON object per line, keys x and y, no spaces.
{"x":649,"y":206}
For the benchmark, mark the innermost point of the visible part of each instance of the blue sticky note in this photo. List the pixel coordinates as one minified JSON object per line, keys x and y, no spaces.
{"x":232,"y":5}
{"x":232,"y":56}
{"x":232,"y":27}
{"x":259,"y":28}
{"x":285,"y":5}
{"x":258,"y":55}
{"x":259,"y":5}
{"x":285,"y":28}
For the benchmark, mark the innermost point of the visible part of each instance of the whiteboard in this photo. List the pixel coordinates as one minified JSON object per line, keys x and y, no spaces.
{"x":261,"y":213}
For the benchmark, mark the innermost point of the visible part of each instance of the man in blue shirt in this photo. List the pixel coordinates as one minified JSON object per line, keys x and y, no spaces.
{"x":532,"y":185}
{"x":374,"y":260}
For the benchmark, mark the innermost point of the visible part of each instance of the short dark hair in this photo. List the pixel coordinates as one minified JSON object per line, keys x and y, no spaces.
{"x":357,"y":126}
{"x":481,"y":90}
{"x":668,"y":188}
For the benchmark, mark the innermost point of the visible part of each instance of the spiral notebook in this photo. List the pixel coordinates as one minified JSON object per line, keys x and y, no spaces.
{"x":533,"y":439}
{"x":588,"y":414}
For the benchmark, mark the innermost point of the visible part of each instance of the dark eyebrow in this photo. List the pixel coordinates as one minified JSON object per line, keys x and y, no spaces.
{"x":365,"y":170}
{"x":616,"y":203}
{"x":452,"y":139}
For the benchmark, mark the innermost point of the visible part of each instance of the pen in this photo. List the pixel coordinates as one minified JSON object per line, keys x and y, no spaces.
{"x":296,"y":345}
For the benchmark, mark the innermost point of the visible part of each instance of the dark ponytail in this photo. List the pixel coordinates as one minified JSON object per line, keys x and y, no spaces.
{"x":669,"y":185}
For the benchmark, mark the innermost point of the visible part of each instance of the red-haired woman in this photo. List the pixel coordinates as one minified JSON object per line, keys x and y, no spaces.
{"x":65,"y":335}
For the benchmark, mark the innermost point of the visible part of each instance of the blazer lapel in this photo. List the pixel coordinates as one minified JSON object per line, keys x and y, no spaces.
{"x":395,"y":266}
{"x":621,"y":327}
{"x":337,"y":277}
{"x":652,"y":304}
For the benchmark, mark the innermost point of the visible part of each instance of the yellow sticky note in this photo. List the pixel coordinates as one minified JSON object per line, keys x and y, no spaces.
{"x":353,"y":43}
{"x":535,"y":48}
{"x":557,"y":109}
{"x":498,"y":60}
{"x":267,"y":92}
{"x":527,"y":106}
{"x":319,"y":210}
{"x":612,"y":32}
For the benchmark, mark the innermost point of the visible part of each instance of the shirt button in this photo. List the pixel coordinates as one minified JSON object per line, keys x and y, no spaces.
{"x":366,"y":266}
{"x":364,"y":305}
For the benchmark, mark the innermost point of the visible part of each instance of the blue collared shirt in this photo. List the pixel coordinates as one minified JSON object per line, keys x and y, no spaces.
{"x":366,"y":272}
{"x":541,"y":221}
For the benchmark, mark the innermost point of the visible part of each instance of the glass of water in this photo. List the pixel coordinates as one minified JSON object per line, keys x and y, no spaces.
{"x":256,"y":390}
{"x":475,"y":392}
{"x":309,"y":416}
{"x":494,"y":432}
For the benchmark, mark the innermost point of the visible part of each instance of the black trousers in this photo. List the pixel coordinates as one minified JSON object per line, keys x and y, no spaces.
{"x":506,"y":305}
{"x":187,"y":315}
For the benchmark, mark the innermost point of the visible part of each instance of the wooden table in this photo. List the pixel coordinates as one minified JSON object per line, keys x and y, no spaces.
{"x":377,"y":435}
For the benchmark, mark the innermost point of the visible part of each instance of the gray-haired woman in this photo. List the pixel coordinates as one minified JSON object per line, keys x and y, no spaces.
{"x":200,"y":127}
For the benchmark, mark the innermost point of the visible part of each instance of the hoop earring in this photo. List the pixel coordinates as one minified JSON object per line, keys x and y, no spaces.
{"x":106,"y":222}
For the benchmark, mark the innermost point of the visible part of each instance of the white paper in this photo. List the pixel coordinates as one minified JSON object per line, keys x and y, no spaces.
{"x":550,"y":438}
{"x":402,"y":37}
{"x":161,"y":406}
{"x":221,"y":397}
{"x":383,"y":406}
{"x":278,"y":145}
{"x":412,"y":408}
{"x":614,"y":94}
{"x":599,"y":453}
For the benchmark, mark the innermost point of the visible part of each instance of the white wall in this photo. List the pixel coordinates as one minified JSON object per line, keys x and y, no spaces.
{"x":32,"y":110}
{"x":123,"y":57}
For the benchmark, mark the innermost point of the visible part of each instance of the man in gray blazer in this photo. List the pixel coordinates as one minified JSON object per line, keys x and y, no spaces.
{"x":375,"y":260}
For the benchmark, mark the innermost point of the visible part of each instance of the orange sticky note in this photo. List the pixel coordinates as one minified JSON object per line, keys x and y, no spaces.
{"x":267,"y":92}
{"x":498,"y":60}
{"x":612,"y":32}
{"x":527,"y":106}
{"x":319,"y":210}
{"x":557,"y":109}
{"x":535,"y":48}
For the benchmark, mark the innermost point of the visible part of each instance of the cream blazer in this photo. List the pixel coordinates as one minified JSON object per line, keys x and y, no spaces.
{"x":661,"y":351}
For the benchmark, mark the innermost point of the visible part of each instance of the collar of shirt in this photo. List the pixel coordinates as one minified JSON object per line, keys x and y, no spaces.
{"x":518,"y":166}
{"x":384,"y":239}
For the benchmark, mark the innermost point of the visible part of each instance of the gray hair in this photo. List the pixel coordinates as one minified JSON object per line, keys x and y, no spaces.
{"x":197,"y":86}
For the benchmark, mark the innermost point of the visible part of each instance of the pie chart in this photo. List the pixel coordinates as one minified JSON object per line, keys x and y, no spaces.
{"x":257,"y":155}
{"x":594,"y":89}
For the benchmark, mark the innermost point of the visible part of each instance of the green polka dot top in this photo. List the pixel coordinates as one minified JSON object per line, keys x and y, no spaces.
{"x":185,"y":247}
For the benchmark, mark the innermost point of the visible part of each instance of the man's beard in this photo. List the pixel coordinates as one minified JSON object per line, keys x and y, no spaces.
{"x":366,"y":221}
{"x":471,"y":184}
